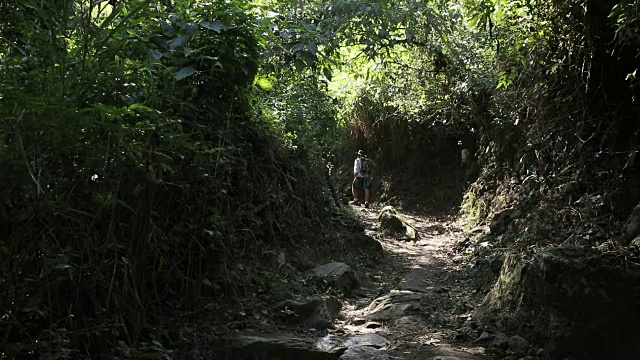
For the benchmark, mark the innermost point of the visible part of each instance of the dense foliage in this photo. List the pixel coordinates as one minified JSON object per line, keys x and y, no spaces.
{"x":149,"y":149}
{"x":543,"y":93}
{"x":142,"y":167}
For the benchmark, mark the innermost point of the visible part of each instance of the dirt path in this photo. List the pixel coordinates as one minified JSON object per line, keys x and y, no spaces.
{"x":440,"y":326}
{"x":414,"y":303}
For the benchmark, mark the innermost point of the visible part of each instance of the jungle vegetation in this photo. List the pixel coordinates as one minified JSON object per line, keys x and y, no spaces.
{"x":151,"y":151}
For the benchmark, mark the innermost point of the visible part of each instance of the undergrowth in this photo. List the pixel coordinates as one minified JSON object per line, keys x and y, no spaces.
{"x":561,"y":146}
{"x":143,"y":188}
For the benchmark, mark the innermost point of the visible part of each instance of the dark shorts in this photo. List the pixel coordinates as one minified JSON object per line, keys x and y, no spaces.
{"x":361,"y":183}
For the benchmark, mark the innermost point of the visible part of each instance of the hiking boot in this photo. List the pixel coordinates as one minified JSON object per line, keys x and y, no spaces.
{"x":355,"y":202}
{"x":366,"y":205}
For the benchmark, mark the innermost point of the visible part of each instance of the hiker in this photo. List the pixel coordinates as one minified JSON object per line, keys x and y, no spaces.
{"x":361,"y":178}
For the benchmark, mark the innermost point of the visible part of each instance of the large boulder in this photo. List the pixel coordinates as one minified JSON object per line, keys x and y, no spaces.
{"x":358,"y":352}
{"x":315,"y":312}
{"x":336,"y":342}
{"x":336,"y":274}
{"x":393,"y":223}
{"x":575,"y":301}
{"x":396,"y":305}
{"x":266,"y":348}
{"x":411,"y":323}
{"x":374,"y":340}
{"x":367,"y":244}
{"x":283,"y":347}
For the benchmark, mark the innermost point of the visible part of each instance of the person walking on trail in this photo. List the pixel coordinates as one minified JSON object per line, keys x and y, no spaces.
{"x":361,"y":178}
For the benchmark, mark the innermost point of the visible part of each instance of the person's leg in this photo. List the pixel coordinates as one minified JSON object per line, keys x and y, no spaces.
{"x":367,"y":192}
{"x":355,"y":187}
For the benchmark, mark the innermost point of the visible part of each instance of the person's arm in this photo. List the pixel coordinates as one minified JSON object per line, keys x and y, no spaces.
{"x":356,"y":168}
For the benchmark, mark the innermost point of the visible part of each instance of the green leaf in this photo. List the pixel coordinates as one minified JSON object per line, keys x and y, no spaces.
{"x":216,"y":26}
{"x":156,"y":55}
{"x":179,"y":41}
{"x":185,"y":72}
{"x":327,"y":73}
{"x":139,"y":107}
{"x":500,"y":13}
{"x":264,"y":83}
{"x":313,"y":48}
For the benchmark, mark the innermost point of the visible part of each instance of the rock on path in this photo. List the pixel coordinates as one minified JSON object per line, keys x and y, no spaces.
{"x":413,"y":304}
{"x":425,"y":311}
{"x":339,"y":275}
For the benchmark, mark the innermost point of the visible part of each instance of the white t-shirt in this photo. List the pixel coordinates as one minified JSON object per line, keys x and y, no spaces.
{"x":357,"y":168}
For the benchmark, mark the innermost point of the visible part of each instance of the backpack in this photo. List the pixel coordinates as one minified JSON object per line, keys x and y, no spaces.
{"x":364,"y":166}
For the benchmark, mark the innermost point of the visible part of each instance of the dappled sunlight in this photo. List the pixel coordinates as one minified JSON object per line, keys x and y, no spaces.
{"x":177,"y":171}
{"x":426,"y":268}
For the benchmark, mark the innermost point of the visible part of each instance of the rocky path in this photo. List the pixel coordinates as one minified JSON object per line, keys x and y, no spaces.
{"x":415,"y":302}
{"x":421,"y":299}
{"x":421,"y":295}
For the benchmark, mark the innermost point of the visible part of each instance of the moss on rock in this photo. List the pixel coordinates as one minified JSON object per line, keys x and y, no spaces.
{"x":393,"y":223}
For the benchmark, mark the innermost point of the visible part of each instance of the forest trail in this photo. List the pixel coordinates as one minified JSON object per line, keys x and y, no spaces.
{"x":414,"y":300}
{"x":438,"y":325}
